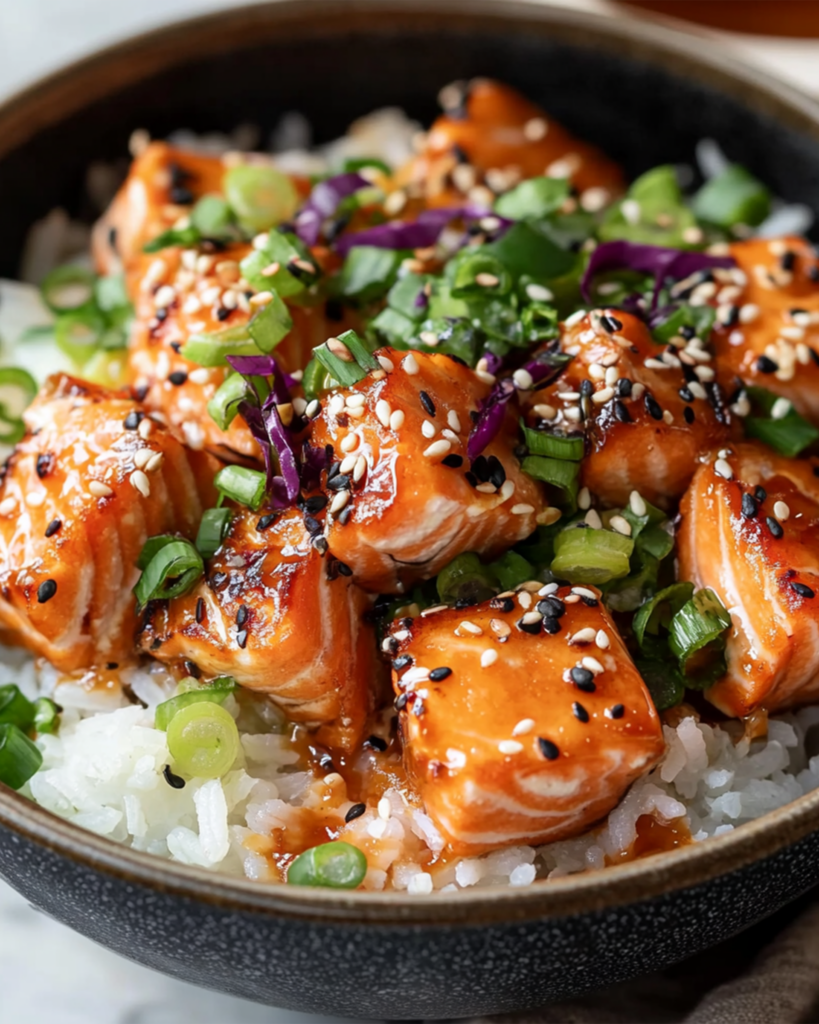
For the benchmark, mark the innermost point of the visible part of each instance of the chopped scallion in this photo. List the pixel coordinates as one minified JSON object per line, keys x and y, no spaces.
{"x":271,"y":324}
{"x":570,"y":447}
{"x":213,"y":349}
{"x":203,"y":739}
{"x":368,"y":272}
{"x":173,"y":236}
{"x":213,"y":529}
{"x":242,"y":485}
{"x":223,"y":407}
{"x":350,"y":368}
{"x":215,"y":692}
{"x":170,"y":567}
{"x":19,"y":757}
{"x":560,"y":476}
{"x":46,"y":716}
{"x":731,"y":198}
{"x":259,"y":195}
{"x":584,"y":555}
{"x":15,"y":708}
{"x":466,"y":578}
{"x":789,"y":434}
{"x":67,"y":288}
{"x":697,"y":637}
{"x":535,"y":198}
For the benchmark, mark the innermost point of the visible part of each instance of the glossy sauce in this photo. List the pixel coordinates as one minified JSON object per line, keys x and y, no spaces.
{"x":654,"y":836}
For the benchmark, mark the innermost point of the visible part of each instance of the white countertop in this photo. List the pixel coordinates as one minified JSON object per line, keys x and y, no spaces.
{"x":48,"y":974}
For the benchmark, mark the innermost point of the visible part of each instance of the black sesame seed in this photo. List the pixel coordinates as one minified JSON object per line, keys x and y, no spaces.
{"x":687,"y":332}
{"x":471,"y":479}
{"x":617,"y":711}
{"x":344,"y":569}
{"x":760,"y":493}
{"x":551,"y":606}
{"x":586,"y":388}
{"x":45,"y":463}
{"x":579,"y":712}
{"x":502,"y":604}
{"x":775,"y":527}
{"x":480,"y":467}
{"x":589,"y":602}
{"x":427,"y":403}
{"x":453,"y":461}
{"x":178,"y":377}
{"x":242,"y":614}
{"x":315,"y":503}
{"x":548,"y":749}
{"x":313,"y":526}
{"x":140,"y":394}
{"x":802,"y":589}
{"x":788,"y":260}
{"x":610,"y":323}
{"x":766,"y":365}
{"x":377,"y":743}
{"x":222,"y":313}
{"x":133,"y":420}
{"x":581,"y":677}
{"x":688,"y":414}
{"x":46,"y":590}
{"x":334,"y":310}
{"x":355,"y":812}
{"x":344,"y":515}
{"x":532,"y":627}
{"x":437,"y":674}
{"x":685,"y":394}
{"x":551,"y":624}
{"x":192,"y":669}
{"x":52,"y":527}
{"x":750,"y":508}
{"x":241,"y":638}
{"x":265,"y":522}
{"x":321,"y":545}
{"x":652,"y":408}
{"x":180,"y":195}
{"x":624,"y":386}
{"x":340,"y":482}
{"x":405,"y":623}
{"x":497,"y":474}
{"x":401,"y":702}
{"x":200,"y":609}
{"x":333,"y":471}
{"x":390,"y":645}
{"x":174,"y":781}
{"x":621,"y":412}
{"x":402,"y":661}
{"x":813,"y":272}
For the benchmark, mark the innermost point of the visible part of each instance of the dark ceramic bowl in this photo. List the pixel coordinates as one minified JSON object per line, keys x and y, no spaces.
{"x":645,"y":95}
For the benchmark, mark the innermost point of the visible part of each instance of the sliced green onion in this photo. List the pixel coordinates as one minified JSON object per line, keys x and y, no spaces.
{"x":560,"y":476}
{"x":213,"y":349}
{"x":334,"y":865}
{"x":67,"y":288}
{"x":260,"y":196}
{"x":657,"y":613}
{"x":271,"y":324}
{"x":539,"y":322}
{"x":630,"y":593}
{"x":347,"y":371}
{"x":368,"y":272}
{"x":478,"y":273}
{"x":17,"y":391}
{"x":243,"y":485}
{"x":539,"y":548}
{"x":405,"y":296}
{"x":170,"y":569}
{"x":360,"y":163}
{"x":79,"y":334}
{"x":110,"y":294}
{"x":287,"y":257}
{"x":584,"y":555}
{"x":224,"y":406}
{"x":46,"y":716}
{"x":316,"y":380}
{"x":212,"y":217}
{"x":395,"y":328}
{"x":700,"y":318}
{"x":511,"y":570}
{"x":535,"y":197}
{"x":213,"y":529}
{"x":663,"y":681}
{"x":569,"y":447}
{"x":15,"y":708}
{"x":657,"y":214}
{"x":203,"y":739}
{"x":526,"y":249}
{"x":443,"y":304}
{"x":216,"y":692}
{"x":656,"y":542}
{"x":696,"y":636}
{"x":466,"y":578}
{"x":173,"y":236}
{"x":731,"y":198}
{"x":19,"y":757}
{"x":789,"y":434}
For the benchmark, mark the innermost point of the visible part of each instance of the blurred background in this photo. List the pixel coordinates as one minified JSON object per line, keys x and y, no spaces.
{"x":76,"y":982}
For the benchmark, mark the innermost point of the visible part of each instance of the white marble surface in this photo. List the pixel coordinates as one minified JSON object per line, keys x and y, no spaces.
{"x":48,"y":974}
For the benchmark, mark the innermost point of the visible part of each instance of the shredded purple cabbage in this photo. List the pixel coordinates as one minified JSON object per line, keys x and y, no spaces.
{"x":419,"y":233}
{"x":662,"y":263}
{"x":323,"y":202}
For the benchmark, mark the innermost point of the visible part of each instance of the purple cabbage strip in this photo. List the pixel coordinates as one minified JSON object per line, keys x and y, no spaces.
{"x":313,"y":461}
{"x":415,"y":234}
{"x":264,"y":366}
{"x":648,"y":259}
{"x":493,"y":362}
{"x":323,"y":202}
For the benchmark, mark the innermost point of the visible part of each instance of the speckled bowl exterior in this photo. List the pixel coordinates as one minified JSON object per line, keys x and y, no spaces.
{"x":644,"y":94}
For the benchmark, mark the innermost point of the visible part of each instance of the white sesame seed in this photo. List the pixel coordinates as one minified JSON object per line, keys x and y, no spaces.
{"x":401,"y":635}
{"x":349,"y":442}
{"x":192,"y":305}
{"x":453,"y":420}
{"x":568,"y":396}
{"x":549,"y":588}
{"x":428,"y":428}
{"x":668,"y":416}
{"x":584,"y":592}
{"x":594,"y":199}
{"x":383,"y":412}
{"x":143,"y":457}
{"x":261,"y":298}
{"x":637,"y":504}
{"x":486,"y":488}
{"x":638,"y":390}
{"x":655,"y":364}
{"x":602,"y":396}
{"x":7,"y":506}
{"x":336,"y":405}
{"x":470,"y":627}
{"x":597,"y":372}
{"x":545,"y":411}
{"x":524,"y":725}
{"x":410,"y":364}
{"x":429,"y":338}
{"x":748,"y":313}
{"x":530,"y":618}
{"x":440,"y":447}
{"x":522,"y":509}
{"x":141,"y":483}
{"x":313,"y":409}
{"x":35,"y":498}
{"x":360,"y":468}
{"x":602,"y":639}
{"x":194,"y":435}
{"x":575,"y":318}
{"x":386,"y":363}
{"x":572,"y":413}
{"x":621,"y":525}
{"x":631,"y":211}
{"x":99,"y":489}
{"x":525,"y":600}
{"x":339,"y":501}
{"x":781,"y":511}
{"x":523,"y":379}
{"x":696,"y":389}
{"x":593,"y":520}
{"x":539,"y":293}
{"x":723,"y":469}
{"x":592,"y":664}
{"x":535,"y":129}
{"x":510,"y":747}
{"x":384,"y":808}
{"x":145,"y":428}
{"x":507,"y":489}
{"x":780,"y":408}
{"x":489,"y":657}
{"x":395,"y":202}
{"x":348,"y":463}
{"x":704,"y":373}
{"x":397,"y":419}
{"x":355,"y":400}
{"x":417,"y":674}
{"x":582,"y":636}
{"x":584,"y":499}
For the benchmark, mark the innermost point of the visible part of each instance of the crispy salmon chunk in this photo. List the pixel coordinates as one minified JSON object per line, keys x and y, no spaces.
{"x":750,"y":532}
{"x":282,"y":620}
{"x":647,"y":411}
{"x":524,"y":719}
{"x":490,"y":138}
{"x":93,"y":478}
{"x":405,"y":498}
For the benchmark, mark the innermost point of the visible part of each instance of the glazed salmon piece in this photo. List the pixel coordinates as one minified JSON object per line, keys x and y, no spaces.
{"x":403,"y":504}
{"x":492,"y":137}
{"x":282,"y":620}
{"x":649,"y":409}
{"x":767,"y":332}
{"x":750,"y":532}
{"x":520,"y":726}
{"x":93,"y":478}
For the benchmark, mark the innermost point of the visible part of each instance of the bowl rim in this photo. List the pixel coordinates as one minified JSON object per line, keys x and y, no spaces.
{"x":64,"y":91}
